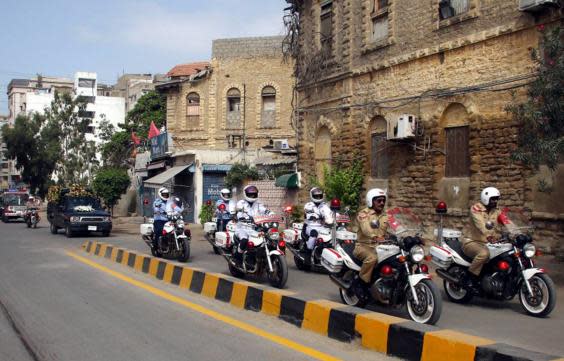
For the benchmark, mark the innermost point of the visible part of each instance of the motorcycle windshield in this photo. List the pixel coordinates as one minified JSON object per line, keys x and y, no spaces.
{"x":516,"y":221}
{"x":403,"y":222}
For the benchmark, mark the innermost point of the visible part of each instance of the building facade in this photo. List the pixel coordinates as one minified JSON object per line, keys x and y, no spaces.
{"x":4,"y":162}
{"x":417,"y":90}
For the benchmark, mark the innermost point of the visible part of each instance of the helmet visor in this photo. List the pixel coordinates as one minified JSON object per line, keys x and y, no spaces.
{"x":165,"y":194}
{"x":252,"y":195}
{"x":317,"y":196}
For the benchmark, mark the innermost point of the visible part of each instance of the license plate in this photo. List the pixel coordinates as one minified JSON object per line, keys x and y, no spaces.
{"x":92,"y":228}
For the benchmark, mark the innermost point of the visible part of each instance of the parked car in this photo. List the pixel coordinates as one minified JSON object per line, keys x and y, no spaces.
{"x":78,"y":214}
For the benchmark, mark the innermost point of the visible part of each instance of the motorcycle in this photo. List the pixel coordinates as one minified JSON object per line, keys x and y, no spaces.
{"x":175,"y":238}
{"x":509,"y":271}
{"x":265,"y":251}
{"x":400,"y":278}
{"x":31,"y":217}
{"x":210,"y":229}
{"x":296,"y":239}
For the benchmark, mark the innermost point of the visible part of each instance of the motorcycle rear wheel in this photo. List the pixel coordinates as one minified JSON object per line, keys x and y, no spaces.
{"x":301,"y":265}
{"x":350,"y":298}
{"x":234,"y":271}
{"x":28,"y":224}
{"x":430,"y":307}
{"x":543,"y":287}
{"x":53,"y":229}
{"x":457,"y":293}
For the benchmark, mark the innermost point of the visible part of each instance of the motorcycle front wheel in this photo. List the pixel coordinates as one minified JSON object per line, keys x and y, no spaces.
{"x":279,"y":274}
{"x":184,"y":250}
{"x":430,"y":305}
{"x":28,"y":224}
{"x":543,"y":300}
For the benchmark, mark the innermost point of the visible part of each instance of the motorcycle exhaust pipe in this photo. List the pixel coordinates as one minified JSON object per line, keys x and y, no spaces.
{"x":339,"y":282}
{"x":447,"y":276}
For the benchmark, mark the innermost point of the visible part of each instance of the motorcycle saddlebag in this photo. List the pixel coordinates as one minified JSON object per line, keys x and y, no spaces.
{"x":440,"y":256}
{"x":146,"y":229}
{"x":209,"y":227}
{"x":331,"y":260}
{"x":222,"y":239}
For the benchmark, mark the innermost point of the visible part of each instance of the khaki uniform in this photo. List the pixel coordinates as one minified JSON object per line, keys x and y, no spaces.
{"x":476,"y":246}
{"x":364,"y":249}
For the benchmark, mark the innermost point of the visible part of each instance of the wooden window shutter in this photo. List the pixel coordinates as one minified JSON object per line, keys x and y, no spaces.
{"x":457,"y":152}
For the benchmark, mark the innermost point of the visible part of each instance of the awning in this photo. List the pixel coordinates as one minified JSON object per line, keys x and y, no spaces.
{"x":287,"y":180}
{"x":162,"y":178}
{"x":156,"y":165}
{"x":216,"y":167}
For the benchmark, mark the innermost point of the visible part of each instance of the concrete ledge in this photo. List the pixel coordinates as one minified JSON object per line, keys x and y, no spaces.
{"x":380,"y":332}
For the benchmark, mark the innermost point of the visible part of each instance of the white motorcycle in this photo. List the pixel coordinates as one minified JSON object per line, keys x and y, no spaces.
{"x":509,"y":271}
{"x":225,"y":233}
{"x":398,"y":279}
{"x":175,"y":238}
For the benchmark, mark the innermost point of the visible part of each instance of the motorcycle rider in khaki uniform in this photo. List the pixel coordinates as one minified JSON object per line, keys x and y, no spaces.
{"x":373,"y":222}
{"x":483,"y":230}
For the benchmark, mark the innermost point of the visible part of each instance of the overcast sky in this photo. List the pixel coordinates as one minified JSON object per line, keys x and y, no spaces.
{"x":60,"y":37}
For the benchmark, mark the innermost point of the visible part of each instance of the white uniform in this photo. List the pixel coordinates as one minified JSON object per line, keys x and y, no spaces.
{"x":316,"y":216}
{"x":245,"y":210}
{"x":171,"y":207}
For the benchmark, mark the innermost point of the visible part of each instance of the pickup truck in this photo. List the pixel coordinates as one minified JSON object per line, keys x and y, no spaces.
{"x":78,"y":214}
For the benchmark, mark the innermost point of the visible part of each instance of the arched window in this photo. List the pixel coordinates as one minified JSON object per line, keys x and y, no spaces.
{"x":192,"y":110}
{"x":233,"y":108}
{"x":378,"y":148}
{"x":268,"y":115}
{"x":456,"y":140}
{"x":322,"y":152}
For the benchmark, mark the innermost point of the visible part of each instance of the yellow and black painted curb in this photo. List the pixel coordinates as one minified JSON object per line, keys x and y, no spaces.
{"x":383,"y":333}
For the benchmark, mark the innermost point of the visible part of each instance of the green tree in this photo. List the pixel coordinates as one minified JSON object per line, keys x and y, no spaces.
{"x":109,"y":184}
{"x":35,"y":148}
{"x":116,"y":147}
{"x":345,"y":183}
{"x":541,"y":137}
{"x":150,"y":107}
{"x":238,"y":173}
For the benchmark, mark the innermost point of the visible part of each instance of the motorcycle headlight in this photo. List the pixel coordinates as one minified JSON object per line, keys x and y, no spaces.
{"x":275,"y":236}
{"x":274,"y":225}
{"x":529,"y":250}
{"x":75,"y":219}
{"x":417,"y":253}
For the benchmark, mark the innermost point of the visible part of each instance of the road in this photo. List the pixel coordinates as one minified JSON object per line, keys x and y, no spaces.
{"x":502,"y":321}
{"x":57,"y":303}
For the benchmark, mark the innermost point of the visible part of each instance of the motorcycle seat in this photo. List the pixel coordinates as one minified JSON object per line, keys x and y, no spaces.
{"x":349,"y":248}
{"x":457,"y":247}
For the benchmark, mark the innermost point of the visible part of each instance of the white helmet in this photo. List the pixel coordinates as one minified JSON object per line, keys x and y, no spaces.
{"x":373,"y":193}
{"x":316,"y":195}
{"x":488,"y":193}
{"x":251,"y":193}
{"x":164,"y":193}
{"x":225,"y":194}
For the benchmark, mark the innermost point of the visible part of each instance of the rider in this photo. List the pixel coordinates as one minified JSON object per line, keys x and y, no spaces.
{"x":174,"y":205}
{"x":32,"y":202}
{"x":247,"y":208}
{"x":484,"y":230}
{"x":159,"y":211}
{"x":317,"y":213}
{"x":225,"y":198}
{"x":373,"y":222}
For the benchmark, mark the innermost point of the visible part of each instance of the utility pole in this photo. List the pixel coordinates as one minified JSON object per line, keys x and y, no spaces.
{"x":244,"y":124}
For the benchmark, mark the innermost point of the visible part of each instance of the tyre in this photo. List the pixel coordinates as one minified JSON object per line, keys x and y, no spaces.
{"x":53,"y":228}
{"x":106,"y":234}
{"x":68,"y":232}
{"x":430,"y":305}
{"x":184,"y":250}
{"x":279,"y":274}
{"x":234,"y":271}
{"x":543,"y":299}
{"x":215,"y":250}
{"x":301,"y":265}
{"x":28,"y":223}
{"x":456,"y":293}
{"x":4,"y":219}
{"x":350,"y":298}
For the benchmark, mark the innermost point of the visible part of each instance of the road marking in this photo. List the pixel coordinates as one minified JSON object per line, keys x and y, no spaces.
{"x":318,"y":355}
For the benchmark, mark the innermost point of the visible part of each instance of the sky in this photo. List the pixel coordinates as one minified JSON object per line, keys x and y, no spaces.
{"x":110,"y":37}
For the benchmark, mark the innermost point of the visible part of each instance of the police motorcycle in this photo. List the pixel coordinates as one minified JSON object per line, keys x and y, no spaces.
{"x":227,"y":230}
{"x":296,"y":239}
{"x":265,"y":251}
{"x":31,"y":217}
{"x":510,"y":270}
{"x":175,"y":238}
{"x":400,"y":278}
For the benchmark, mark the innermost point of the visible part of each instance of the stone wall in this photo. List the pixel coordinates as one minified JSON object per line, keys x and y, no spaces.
{"x":412,"y":72}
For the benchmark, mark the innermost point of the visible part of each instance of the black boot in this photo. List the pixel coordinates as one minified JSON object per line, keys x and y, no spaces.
{"x":360,"y":288}
{"x":471,"y":282}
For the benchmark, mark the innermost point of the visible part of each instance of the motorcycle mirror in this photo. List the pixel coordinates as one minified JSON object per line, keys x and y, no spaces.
{"x":375,"y":224}
{"x":489,"y":225}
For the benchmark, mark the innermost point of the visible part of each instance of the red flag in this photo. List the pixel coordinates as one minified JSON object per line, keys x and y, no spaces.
{"x":136,"y":140}
{"x":153,"y":130}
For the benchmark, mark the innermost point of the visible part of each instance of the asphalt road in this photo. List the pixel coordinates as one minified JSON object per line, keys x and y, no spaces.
{"x":502,"y":321}
{"x":55,"y":306}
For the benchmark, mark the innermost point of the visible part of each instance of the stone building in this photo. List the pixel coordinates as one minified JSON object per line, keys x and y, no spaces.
{"x":225,"y":111}
{"x":417,"y":90}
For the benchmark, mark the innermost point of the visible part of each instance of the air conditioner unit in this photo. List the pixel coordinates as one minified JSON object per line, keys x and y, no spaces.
{"x":536,"y":5}
{"x":280,"y":144}
{"x":402,"y":127}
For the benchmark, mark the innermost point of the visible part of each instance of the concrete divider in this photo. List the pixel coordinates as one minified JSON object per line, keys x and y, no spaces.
{"x":380,"y":332}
